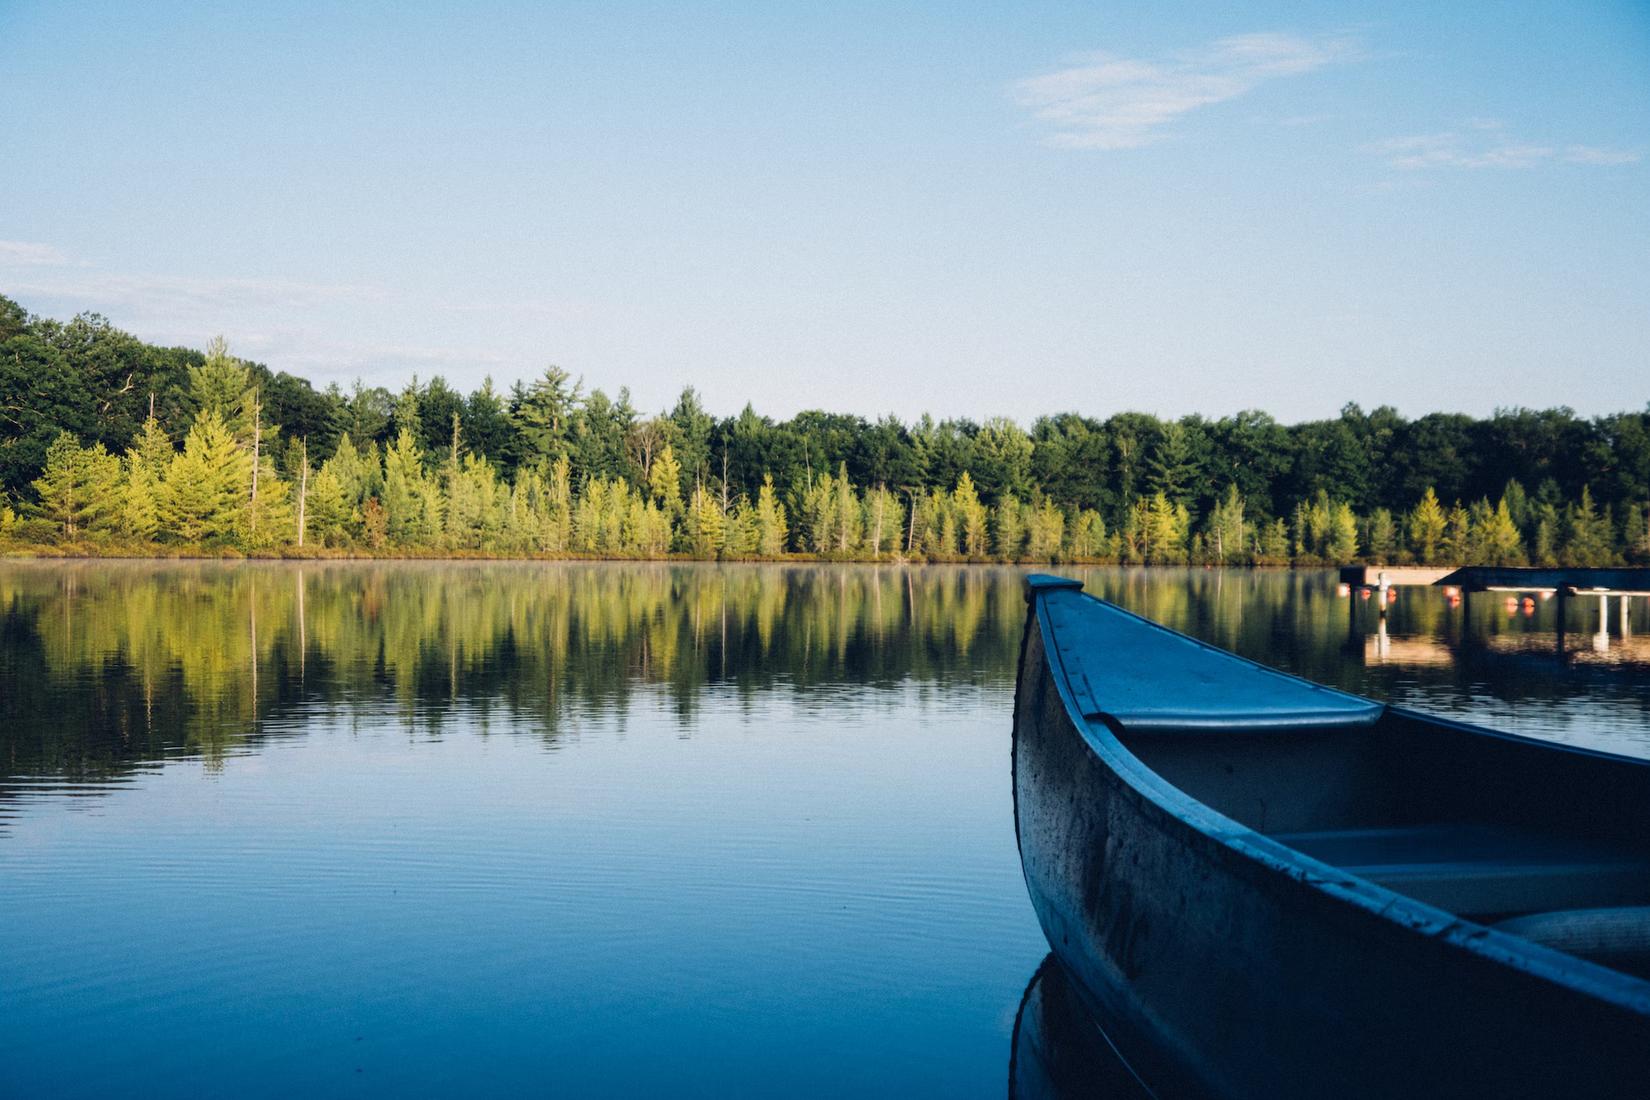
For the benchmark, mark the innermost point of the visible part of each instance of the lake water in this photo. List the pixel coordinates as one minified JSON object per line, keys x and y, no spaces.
{"x":591,"y":828}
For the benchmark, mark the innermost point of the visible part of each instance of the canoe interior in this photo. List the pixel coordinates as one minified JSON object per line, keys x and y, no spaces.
{"x":1348,"y":901}
{"x":1486,"y":827}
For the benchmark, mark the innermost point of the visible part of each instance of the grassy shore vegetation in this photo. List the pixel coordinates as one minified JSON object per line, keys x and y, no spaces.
{"x":112,"y":446}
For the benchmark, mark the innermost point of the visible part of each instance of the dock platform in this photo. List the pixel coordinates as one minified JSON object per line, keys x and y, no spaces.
{"x":1565,"y":581}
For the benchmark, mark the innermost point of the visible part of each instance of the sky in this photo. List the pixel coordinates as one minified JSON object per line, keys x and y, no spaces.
{"x":964,"y":209}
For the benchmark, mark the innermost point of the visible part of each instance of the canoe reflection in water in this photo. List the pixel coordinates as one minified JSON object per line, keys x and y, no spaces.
{"x":1059,"y":1051}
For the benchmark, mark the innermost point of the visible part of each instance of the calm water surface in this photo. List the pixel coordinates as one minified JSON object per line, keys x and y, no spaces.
{"x":592,"y":829}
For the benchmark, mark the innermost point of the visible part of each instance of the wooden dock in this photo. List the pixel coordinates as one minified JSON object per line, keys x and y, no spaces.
{"x":1565,"y":581}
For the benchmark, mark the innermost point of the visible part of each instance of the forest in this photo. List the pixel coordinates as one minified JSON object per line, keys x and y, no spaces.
{"x":112,"y":446}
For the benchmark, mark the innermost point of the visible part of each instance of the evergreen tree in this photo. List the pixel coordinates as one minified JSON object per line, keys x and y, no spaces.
{"x":1045,"y":531}
{"x":1088,"y":536}
{"x":664,"y":481}
{"x":1008,"y":521}
{"x":1273,"y":548}
{"x":1636,"y":533}
{"x":412,"y":508}
{"x":1167,"y":527}
{"x":705,"y":524}
{"x":79,"y":488}
{"x":1426,"y":528}
{"x":140,"y":507}
{"x":1225,"y":536}
{"x":1457,"y":544}
{"x":205,"y":484}
{"x":1545,"y":540}
{"x":1342,"y":545}
{"x":220,"y":387}
{"x":884,"y":521}
{"x":267,"y":519}
{"x":769,"y":520}
{"x":1588,"y":535}
{"x":971,"y":515}
{"x":1382,"y":539}
{"x":324,"y":509}
{"x":1498,"y":539}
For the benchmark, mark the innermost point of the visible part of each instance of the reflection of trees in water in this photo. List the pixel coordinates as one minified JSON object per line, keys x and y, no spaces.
{"x":107,"y":663}
{"x":112,"y":662}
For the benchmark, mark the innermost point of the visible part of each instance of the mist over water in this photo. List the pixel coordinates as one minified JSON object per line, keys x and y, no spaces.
{"x":604,"y":828}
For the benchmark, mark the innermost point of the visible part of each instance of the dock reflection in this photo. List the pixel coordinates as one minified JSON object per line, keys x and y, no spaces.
{"x":1513,"y":629}
{"x":1059,"y":1051}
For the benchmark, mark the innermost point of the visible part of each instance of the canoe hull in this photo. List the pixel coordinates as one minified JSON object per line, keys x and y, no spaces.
{"x":1220,"y":973}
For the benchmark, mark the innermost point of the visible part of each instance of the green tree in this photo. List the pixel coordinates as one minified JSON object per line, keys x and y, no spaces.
{"x":769,"y":521}
{"x":1088,"y":536}
{"x":1226,"y":534}
{"x":205,"y":484}
{"x":220,"y":386}
{"x":1045,"y":531}
{"x":79,"y":488}
{"x":1343,"y":534}
{"x":1498,"y":538}
{"x":1008,"y":524}
{"x":1382,"y":538}
{"x":664,"y":481}
{"x":1426,"y":528}
{"x":412,"y":506}
{"x":325,"y":512}
{"x":971,"y":516}
{"x":706,"y":525}
{"x":1588,"y":535}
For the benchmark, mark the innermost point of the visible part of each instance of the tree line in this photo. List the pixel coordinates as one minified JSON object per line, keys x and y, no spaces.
{"x":109,"y":444}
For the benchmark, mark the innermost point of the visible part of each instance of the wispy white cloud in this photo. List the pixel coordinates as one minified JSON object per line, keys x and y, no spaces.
{"x":1593,"y":154}
{"x":290,"y":324}
{"x":31,"y":254}
{"x":1109,"y":102}
{"x":1485,"y":147}
{"x":182,"y":292}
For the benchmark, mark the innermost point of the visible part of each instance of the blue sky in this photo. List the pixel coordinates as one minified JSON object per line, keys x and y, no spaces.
{"x":965,"y":209}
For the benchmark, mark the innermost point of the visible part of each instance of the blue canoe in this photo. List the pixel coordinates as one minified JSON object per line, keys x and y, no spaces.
{"x":1264,"y":887}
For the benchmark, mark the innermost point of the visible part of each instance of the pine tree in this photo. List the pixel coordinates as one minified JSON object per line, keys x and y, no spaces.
{"x":139,"y":508}
{"x":884,"y":521}
{"x":1545,"y":540}
{"x":1224,"y":539}
{"x":412,"y":506}
{"x":1273,"y":546}
{"x":664,"y":480}
{"x":1167,"y":525}
{"x":220,"y":386}
{"x":1457,"y":545}
{"x":1588,"y":535}
{"x":965,"y":501}
{"x":1045,"y":531}
{"x":1499,"y":541}
{"x":770,"y":520}
{"x":1008,"y":528}
{"x":848,"y":519}
{"x":1426,"y":528}
{"x":1088,"y":537}
{"x":267,"y":519}
{"x":1342,"y":546}
{"x":1382,"y":538}
{"x":1636,"y":533}
{"x":205,"y":484}
{"x":706,"y":525}
{"x":79,"y":488}
{"x":324,"y":509}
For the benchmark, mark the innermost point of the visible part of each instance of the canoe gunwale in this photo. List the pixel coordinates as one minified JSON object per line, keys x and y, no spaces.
{"x":1261,"y":860}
